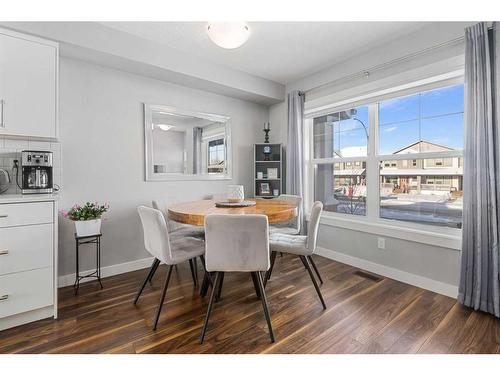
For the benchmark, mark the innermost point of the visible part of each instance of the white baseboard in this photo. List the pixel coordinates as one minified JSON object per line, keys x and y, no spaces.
{"x":115,"y":269}
{"x":392,"y":273}
{"x":26,"y":317}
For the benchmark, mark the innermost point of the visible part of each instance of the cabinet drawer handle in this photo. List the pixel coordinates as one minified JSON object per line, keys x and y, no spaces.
{"x":4,"y":252}
{"x":3,"y":216}
{"x":4,"y":297}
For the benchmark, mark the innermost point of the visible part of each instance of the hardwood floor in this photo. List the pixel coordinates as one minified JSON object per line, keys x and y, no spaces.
{"x":364,"y":315}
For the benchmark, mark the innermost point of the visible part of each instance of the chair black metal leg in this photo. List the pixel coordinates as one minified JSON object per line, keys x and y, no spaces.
{"x":193,"y":275}
{"x":207,"y":279}
{"x":255,"y":284}
{"x":219,"y":288}
{"x":151,"y":271}
{"x":195,"y":265}
{"x":209,"y":309}
{"x":313,"y":279}
{"x":270,"y":270}
{"x":264,"y":304}
{"x":162,"y":298}
{"x":303,"y":262}
{"x":311,"y":260}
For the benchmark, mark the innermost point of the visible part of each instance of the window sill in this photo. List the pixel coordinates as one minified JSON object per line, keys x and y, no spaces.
{"x":446,"y":237}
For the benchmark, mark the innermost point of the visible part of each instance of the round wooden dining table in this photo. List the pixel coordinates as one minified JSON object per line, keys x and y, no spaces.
{"x":277,"y":211}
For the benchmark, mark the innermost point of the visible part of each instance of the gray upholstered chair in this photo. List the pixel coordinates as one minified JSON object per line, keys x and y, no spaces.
{"x":178,"y":231}
{"x":302,"y":246}
{"x":237,"y":243}
{"x":157,"y":242}
{"x":292,"y":226}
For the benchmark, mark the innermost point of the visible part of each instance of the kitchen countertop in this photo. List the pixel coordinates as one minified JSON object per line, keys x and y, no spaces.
{"x":26,"y":198}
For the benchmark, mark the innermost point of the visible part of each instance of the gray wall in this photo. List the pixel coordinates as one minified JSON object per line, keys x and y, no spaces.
{"x":101,"y":131}
{"x":432,"y":262}
{"x":277,"y":119}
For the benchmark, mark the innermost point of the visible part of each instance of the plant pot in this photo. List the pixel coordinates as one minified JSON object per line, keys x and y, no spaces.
{"x":88,"y":227}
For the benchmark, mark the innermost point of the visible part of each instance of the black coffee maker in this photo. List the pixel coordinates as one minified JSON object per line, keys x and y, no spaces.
{"x":37,"y":172}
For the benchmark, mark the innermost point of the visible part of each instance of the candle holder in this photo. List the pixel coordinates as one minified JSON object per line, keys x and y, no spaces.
{"x":267,"y":129}
{"x":266,"y":136}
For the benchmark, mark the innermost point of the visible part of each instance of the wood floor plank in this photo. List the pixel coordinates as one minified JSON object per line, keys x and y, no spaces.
{"x":447,"y":331}
{"x":364,"y":315}
{"x":477,"y":335}
{"x":430,"y":313}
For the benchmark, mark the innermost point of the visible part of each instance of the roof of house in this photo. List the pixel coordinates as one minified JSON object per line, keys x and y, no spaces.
{"x":418,"y":142}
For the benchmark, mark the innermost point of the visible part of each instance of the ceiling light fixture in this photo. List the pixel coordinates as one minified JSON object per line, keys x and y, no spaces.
{"x":164,"y":127}
{"x":228,"y":35}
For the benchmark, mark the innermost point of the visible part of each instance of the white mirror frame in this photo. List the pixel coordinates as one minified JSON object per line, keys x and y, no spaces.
{"x":148,"y":145}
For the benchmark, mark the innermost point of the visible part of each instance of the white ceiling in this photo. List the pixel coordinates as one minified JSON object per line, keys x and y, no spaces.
{"x":279,"y":51}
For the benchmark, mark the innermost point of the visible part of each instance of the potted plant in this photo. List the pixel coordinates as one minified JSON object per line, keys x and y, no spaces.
{"x":87,"y":218}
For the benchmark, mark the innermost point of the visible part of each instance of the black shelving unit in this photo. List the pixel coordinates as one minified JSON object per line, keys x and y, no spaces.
{"x":262,"y":163}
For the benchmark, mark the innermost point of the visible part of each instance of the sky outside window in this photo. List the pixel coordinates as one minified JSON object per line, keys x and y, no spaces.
{"x":435,"y":116}
{"x":340,"y":134}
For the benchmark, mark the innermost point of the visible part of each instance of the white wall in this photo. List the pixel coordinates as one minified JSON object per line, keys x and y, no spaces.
{"x":434,"y":267}
{"x":101,"y":122}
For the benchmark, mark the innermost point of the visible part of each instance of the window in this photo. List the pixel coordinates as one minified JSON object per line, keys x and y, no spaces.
{"x":417,"y":159}
{"x":341,"y":141}
{"x":216,"y":156}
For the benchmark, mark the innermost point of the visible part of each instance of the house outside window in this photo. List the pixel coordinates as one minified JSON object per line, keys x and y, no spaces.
{"x":417,"y":158}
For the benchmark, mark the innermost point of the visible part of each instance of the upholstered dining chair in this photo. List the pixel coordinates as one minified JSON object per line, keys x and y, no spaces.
{"x":157,"y":242}
{"x":178,"y":230}
{"x":302,"y":246}
{"x":291,"y":227}
{"x":237,"y":243}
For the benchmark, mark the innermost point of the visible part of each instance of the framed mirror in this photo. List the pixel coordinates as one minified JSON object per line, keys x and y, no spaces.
{"x":186,"y":145}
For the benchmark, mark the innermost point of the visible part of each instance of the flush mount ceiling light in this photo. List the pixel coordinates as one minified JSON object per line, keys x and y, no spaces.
{"x":228,"y":35}
{"x":164,"y":127}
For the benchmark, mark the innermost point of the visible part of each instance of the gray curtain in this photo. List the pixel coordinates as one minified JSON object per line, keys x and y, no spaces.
{"x":295,"y":147}
{"x":479,"y":282}
{"x":197,"y":157}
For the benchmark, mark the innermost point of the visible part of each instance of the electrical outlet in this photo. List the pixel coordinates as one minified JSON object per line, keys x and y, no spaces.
{"x":381,"y":243}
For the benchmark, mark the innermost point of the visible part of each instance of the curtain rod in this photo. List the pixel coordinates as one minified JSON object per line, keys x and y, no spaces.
{"x":366,"y":72}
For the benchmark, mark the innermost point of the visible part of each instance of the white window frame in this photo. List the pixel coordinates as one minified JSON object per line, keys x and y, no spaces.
{"x":372,"y":222}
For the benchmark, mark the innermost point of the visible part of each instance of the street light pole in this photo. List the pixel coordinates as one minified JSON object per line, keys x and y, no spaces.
{"x":364,"y":126}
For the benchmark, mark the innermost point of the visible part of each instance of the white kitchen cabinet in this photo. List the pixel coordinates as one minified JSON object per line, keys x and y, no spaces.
{"x":26,"y":248}
{"x":26,"y":291}
{"x":28,"y":86}
{"x":28,"y":258}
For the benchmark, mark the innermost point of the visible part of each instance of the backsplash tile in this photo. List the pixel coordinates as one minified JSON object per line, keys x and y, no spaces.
{"x":16,"y":144}
{"x":10,"y":150}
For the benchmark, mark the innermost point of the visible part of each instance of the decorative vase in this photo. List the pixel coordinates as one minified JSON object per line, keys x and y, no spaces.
{"x":235,"y":193}
{"x":88,"y":227}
